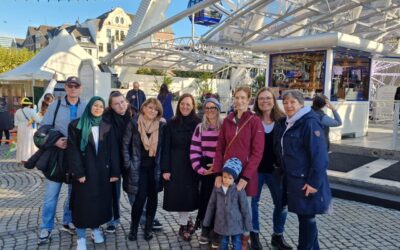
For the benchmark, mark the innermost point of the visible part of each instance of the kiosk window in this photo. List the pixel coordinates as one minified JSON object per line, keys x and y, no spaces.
{"x":350,"y":76}
{"x":304,"y":71}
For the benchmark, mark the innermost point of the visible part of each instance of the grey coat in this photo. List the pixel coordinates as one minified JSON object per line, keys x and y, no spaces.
{"x":230,"y":211}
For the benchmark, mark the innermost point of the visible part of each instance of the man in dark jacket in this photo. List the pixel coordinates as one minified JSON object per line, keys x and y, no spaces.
{"x":136,"y":96}
{"x":61,"y":113}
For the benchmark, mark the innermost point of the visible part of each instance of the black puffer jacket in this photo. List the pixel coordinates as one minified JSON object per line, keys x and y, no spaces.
{"x":131,"y":150}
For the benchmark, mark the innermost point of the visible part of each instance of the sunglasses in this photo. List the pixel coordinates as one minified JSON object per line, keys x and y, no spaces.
{"x":75,"y":86}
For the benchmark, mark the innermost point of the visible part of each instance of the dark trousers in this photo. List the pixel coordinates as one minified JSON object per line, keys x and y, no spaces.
{"x":308,"y":233}
{"x":206,"y":187}
{"x":6,"y":132}
{"x":147,"y":190}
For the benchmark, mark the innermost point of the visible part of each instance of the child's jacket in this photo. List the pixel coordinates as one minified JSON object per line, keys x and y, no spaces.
{"x":230,"y":212}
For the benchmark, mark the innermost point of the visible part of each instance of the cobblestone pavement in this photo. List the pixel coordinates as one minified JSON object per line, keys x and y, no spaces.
{"x":352,"y":225}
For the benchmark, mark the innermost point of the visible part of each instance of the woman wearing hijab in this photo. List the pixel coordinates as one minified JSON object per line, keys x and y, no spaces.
{"x":93,"y":162}
{"x":301,"y":147}
{"x":142,"y":152}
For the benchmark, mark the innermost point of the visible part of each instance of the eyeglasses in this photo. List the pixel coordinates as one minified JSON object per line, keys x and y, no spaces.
{"x":73,"y":86}
{"x":210,"y":108}
{"x":264,"y":98}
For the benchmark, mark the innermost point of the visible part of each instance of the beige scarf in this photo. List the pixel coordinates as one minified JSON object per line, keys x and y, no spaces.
{"x":149,"y":143}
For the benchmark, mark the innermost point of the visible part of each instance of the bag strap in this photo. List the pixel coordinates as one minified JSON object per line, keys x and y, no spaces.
{"x":25,"y":114}
{"x":238,"y":132}
{"x":56,"y":111}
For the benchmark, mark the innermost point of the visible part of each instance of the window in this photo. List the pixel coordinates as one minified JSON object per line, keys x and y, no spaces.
{"x":304,"y":71}
{"x":116,"y":19}
{"x":101,"y":49}
{"x":108,"y":33}
{"x":108,"y":47}
{"x":85,"y":39}
{"x":350,"y":75}
{"x":122,"y":20}
{"x":122,"y":35}
{"x":89,"y":51}
{"x":117,"y":35}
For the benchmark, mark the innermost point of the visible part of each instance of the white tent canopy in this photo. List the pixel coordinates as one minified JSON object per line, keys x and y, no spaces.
{"x":63,"y":55}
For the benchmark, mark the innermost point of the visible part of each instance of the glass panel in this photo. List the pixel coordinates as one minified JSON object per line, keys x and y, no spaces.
{"x":304,"y":71}
{"x":350,"y":76}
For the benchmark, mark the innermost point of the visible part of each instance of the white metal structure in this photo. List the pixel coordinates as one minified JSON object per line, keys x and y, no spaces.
{"x":248,"y":21}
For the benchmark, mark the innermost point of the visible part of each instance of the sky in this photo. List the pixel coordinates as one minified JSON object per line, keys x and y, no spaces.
{"x":17,"y":15}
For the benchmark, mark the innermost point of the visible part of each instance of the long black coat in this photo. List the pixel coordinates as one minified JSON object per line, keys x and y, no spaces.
{"x":181,"y":192}
{"x":131,"y":150}
{"x":91,"y":202}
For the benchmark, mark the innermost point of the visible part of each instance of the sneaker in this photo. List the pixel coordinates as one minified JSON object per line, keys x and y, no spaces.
{"x":69,"y":228}
{"x":97,"y":236}
{"x":44,"y":237}
{"x":156,"y":225}
{"x":81,"y":244}
{"x":203,"y":240}
{"x":110,"y":229}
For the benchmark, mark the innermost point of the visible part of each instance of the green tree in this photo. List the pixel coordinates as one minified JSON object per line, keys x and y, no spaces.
{"x":148,"y":71}
{"x":157,"y":84}
{"x":11,"y":58}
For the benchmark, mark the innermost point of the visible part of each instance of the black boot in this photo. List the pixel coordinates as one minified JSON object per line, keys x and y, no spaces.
{"x":132,"y":236}
{"x":255,"y":241}
{"x":148,"y":233}
{"x":279,"y":242}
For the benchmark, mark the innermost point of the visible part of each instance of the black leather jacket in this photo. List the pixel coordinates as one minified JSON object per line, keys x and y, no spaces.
{"x":131,"y":150}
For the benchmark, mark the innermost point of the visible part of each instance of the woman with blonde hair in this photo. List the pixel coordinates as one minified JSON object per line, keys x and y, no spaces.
{"x":241,"y":136}
{"x":202,"y":153}
{"x":142,"y":153}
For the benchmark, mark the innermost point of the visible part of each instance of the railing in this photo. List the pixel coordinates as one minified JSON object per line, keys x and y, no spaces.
{"x":382,"y":110}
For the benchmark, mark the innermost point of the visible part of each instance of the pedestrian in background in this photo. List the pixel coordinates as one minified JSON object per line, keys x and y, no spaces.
{"x":136,"y":97}
{"x":142,"y":173}
{"x":269,"y":172}
{"x":241,"y":136}
{"x":93,"y":161}
{"x":25,"y":120}
{"x":202,"y":153}
{"x":5,"y":120}
{"x":181,"y":183}
{"x":304,"y":157}
{"x":228,"y":208}
{"x":319,"y":102}
{"x":165,"y":97}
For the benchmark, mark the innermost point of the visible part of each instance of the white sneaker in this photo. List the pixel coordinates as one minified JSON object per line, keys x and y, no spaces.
{"x":97,"y":236}
{"x":81,"y":244}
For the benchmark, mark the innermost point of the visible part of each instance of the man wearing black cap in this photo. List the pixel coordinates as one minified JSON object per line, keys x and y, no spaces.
{"x":61,"y":112}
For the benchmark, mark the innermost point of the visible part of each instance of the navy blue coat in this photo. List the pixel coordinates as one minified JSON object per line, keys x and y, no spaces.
{"x":304,"y":159}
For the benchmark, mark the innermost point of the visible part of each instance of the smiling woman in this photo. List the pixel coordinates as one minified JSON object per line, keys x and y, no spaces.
{"x":94,"y":164}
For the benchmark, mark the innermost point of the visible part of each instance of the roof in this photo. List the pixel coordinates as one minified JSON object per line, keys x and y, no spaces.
{"x":7,"y":42}
{"x":63,"y":55}
{"x":43,"y":29}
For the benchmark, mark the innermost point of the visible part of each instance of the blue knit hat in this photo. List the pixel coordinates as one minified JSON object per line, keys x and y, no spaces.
{"x":213,"y":100}
{"x":233,"y":166}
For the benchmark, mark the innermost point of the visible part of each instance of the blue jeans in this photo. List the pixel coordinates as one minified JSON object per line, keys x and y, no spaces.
{"x":308,"y":233}
{"x":236,"y":242}
{"x":51,"y":195}
{"x":274,"y":184}
{"x":114,"y":222}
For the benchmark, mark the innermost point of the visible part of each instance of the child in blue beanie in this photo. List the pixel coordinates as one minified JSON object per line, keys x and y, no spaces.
{"x":229,"y":207}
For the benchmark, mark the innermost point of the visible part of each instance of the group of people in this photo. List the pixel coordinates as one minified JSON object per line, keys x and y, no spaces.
{"x":213,"y":165}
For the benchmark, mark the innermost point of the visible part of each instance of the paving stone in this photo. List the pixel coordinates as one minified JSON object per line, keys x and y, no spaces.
{"x":352,"y":225}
